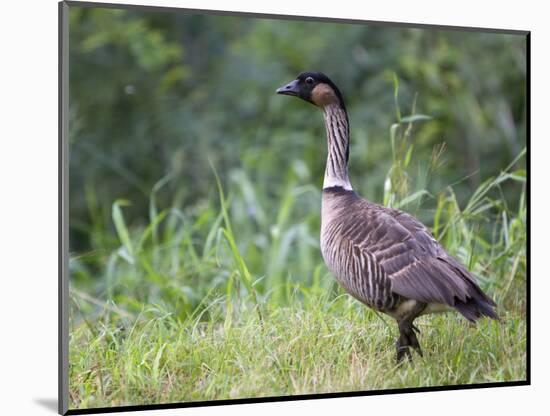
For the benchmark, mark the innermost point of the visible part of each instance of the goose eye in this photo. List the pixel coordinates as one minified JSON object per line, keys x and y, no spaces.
{"x":309,"y":80}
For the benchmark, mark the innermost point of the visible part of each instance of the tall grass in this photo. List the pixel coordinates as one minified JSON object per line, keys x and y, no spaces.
{"x":230,"y":298}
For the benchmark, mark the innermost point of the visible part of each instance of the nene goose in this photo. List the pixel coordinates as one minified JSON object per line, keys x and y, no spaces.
{"x":383,"y":257}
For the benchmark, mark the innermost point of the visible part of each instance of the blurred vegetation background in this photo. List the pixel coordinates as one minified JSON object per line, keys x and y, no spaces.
{"x":158,"y":101}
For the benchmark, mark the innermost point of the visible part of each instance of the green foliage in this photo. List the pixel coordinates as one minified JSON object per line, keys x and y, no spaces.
{"x":195,"y":268}
{"x":195,"y":314}
{"x":156,"y":94}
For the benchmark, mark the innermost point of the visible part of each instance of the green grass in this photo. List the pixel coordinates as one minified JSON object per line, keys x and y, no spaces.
{"x":229,"y":297}
{"x":329,"y":347}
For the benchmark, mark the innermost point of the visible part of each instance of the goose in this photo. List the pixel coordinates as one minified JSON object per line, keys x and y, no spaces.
{"x":383,"y":257}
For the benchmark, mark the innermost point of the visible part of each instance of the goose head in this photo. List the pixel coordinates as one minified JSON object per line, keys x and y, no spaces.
{"x":315,"y":88}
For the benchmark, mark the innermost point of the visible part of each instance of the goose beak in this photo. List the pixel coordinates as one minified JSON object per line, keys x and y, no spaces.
{"x":292,"y":88}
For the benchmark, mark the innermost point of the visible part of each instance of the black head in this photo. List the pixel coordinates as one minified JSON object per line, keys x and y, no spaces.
{"x":314,"y":87}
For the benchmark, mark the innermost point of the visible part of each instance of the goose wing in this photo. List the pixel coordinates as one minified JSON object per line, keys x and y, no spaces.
{"x":418,"y":266}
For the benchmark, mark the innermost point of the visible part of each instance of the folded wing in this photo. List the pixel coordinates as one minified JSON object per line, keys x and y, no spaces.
{"x":418,"y":266}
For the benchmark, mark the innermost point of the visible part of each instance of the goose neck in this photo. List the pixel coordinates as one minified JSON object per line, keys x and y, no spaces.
{"x":337,"y":127}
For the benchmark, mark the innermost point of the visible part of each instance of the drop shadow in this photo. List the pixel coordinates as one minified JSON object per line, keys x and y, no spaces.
{"x":50,"y":404}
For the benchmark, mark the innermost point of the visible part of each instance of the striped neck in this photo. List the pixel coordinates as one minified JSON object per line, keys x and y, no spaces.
{"x":336,"y":171}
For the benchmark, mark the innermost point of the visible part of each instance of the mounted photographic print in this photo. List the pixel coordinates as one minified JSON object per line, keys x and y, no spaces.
{"x":266,"y":208}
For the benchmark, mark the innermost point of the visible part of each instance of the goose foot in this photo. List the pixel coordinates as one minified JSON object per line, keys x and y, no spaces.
{"x":407,"y":340}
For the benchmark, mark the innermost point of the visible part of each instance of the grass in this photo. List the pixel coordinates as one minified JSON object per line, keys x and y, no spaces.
{"x":229,"y":298}
{"x":332,"y":346}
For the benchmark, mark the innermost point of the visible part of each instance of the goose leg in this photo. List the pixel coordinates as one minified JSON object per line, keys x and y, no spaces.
{"x":407,"y":334}
{"x":402,"y":347}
